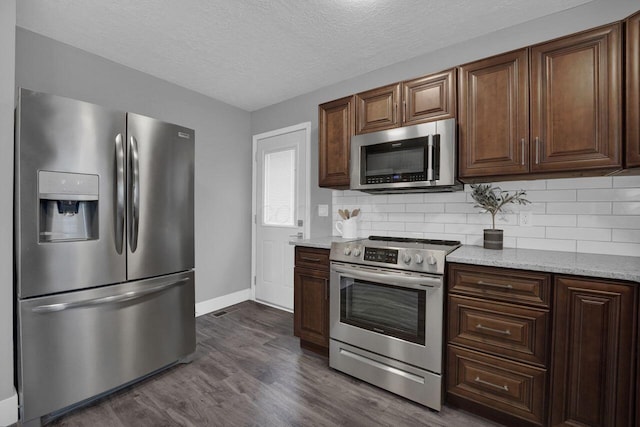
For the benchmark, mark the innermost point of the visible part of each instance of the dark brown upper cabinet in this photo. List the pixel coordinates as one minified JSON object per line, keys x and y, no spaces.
{"x":576,"y":101}
{"x":377,"y":109}
{"x":555,"y":107}
{"x":335,"y":127}
{"x":429,"y":98}
{"x":494,"y":116}
{"x":420,"y":100}
{"x":633,"y":91}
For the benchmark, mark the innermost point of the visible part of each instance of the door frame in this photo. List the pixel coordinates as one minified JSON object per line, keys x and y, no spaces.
{"x":306,"y":126}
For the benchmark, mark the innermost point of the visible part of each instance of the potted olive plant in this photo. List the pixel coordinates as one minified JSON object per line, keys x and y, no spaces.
{"x":493,"y":200}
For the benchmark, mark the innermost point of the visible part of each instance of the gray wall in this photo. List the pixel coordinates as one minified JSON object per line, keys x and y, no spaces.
{"x":223,"y":146}
{"x":7,"y":61}
{"x":305,"y":107}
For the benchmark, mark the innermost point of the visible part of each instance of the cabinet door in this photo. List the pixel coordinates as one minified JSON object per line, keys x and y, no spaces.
{"x":377,"y":109}
{"x":429,"y":98}
{"x":335,"y":127}
{"x":494,"y":116}
{"x":576,"y":101}
{"x":633,"y":91}
{"x":311,"y":306}
{"x":593,"y":352}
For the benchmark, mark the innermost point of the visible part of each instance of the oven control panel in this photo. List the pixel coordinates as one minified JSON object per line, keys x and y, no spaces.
{"x":387,"y":256}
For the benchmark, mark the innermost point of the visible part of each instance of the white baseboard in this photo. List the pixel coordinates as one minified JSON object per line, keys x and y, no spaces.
{"x":9,"y":410}
{"x":218,"y":303}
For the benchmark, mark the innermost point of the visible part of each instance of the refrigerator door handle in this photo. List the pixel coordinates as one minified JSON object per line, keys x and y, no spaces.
{"x":120,"y":195}
{"x":135,"y":194}
{"x":111,"y":299}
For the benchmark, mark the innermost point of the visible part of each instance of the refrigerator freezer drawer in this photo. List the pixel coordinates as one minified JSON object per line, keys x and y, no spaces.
{"x":76,"y":345}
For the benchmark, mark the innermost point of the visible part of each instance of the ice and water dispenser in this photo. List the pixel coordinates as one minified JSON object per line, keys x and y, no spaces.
{"x":68,"y":206}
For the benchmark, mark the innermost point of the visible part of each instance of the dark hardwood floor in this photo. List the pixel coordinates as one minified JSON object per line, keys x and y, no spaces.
{"x":248,"y":370}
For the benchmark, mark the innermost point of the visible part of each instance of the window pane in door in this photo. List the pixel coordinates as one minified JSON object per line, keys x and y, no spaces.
{"x":279,"y":188}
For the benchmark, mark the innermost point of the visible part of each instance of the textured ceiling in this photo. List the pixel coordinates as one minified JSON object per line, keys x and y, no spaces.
{"x":255,"y":53}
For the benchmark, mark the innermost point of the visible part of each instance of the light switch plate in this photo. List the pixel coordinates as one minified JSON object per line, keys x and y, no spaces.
{"x":323,"y":210}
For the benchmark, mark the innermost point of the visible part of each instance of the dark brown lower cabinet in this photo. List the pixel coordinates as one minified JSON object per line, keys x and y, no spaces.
{"x":311,"y":299}
{"x":593,"y":352}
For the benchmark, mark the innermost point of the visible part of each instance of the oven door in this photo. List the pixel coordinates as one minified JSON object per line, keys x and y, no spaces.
{"x":391,"y":313}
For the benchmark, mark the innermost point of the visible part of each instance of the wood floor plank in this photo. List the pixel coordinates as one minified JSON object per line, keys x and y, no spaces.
{"x":249,"y":370}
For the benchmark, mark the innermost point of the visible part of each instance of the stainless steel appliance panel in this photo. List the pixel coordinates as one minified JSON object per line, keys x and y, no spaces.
{"x":160,"y":225}
{"x":76,"y":139}
{"x":413,"y":383}
{"x":427,"y":356}
{"x":441,"y":167}
{"x":76,"y":345}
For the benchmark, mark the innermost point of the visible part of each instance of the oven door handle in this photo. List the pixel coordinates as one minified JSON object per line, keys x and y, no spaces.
{"x":415,"y":282}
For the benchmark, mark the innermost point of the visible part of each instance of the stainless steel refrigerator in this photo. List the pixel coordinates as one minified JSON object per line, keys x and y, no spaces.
{"x":104,"y":251}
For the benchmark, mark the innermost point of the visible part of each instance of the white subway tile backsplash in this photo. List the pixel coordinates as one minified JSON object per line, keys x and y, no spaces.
{"x":611,"y":248}
{"x":405,"y":198}
{"x":388,"y":226}
{"x":618,"y":195}
{"x":514,"y":231}
{"x":454,"y":197}
{"x":464,"y":228}
{"x":631,"y":236}
{"x":551,"y":196}
{"x":446,"y":218}
{"x":609,"y":221}
{"x":626,"y":208}
{"x":578,"y":233}
{"x":374,"y":216}
{"x":547,"y":244}
{"x":460,"y":208}
{"x":425,"y":207}
{"x":593,"y":214}
{"x":519,"y":185}
{"x":603,"y":208}
{"x":626,"y":181}
{"x":406,"y":217}
{"x":425,"y":227}
{"x":388,"y":208}
{"x":555,"y":220}
{"x":575,"y":183}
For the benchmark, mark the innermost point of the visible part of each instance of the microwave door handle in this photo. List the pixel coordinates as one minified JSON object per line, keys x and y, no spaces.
{"x":429,"y":158}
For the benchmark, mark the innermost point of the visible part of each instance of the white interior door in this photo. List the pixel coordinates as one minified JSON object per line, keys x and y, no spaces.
{"x":280,"y":210}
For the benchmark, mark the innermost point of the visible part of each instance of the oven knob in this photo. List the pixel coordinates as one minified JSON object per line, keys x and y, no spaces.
{"x":418,"y":259}
{"x":407,"y":259}
{"x":356,"y":252}
{"x":431,"y":260}
{"x":347,"y":251}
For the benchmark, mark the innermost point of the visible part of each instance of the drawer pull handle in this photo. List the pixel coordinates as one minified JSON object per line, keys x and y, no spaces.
{"x":494,"y":285}
{"x":497,"y":331}
{"x":499,"y":387}
{"x":304,"y":258}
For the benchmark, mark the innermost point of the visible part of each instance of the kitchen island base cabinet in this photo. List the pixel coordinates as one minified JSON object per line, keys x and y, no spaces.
{"x":311,"y":299}
{"x":593,"y":352}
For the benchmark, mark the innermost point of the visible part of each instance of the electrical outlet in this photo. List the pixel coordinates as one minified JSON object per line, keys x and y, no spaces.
{"x":526,"y":219}
{"x":323,"y":210}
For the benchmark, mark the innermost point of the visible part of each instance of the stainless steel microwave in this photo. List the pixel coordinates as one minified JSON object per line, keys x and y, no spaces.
{"x":416,"y":158}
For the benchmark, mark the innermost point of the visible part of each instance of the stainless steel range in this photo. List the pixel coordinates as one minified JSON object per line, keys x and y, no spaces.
{"x":386,"y":314}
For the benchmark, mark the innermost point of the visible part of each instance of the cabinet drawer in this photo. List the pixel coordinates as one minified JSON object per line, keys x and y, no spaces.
{"x":511,"y":388}
{"x":502,"y":329}
{"x":312,"y":258}
{"x":504,"y":284}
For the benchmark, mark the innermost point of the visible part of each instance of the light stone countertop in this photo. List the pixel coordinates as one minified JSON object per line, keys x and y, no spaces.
{"x":580,"y":264}
{"x":319,"y":242}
